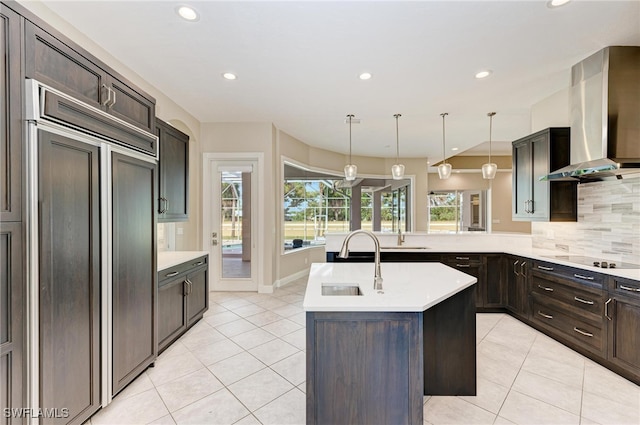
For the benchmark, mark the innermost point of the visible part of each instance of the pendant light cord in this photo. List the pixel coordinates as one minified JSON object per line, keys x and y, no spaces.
{"x":350,"y":116}
{"x":397,"y":140}
{"x":444,"y":156}
{"x":490,"y":115}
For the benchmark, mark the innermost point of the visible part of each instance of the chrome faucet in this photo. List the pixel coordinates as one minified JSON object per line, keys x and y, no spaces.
{"x":344,"y":253}
{"x":400,"y":236}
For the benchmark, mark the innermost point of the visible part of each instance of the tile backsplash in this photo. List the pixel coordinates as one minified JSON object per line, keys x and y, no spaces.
{"x":608,"y":225}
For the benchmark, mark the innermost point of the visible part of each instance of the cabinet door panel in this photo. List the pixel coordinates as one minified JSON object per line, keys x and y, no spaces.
{"x":494,"y":292}
{"x":131,"y":106}
{"x":540,"y":167}
{"x":624,"y":339}
{"x":10,"y":116}
{"x":69,"y":296}
{"x":51,"y":62}
{"x":521,"y":179}
{"x":11,"y":313}
{"x":174,"y":173}
{"x":134,"y":268}
{"x":171,"y":311}
{"x":198,"y":299}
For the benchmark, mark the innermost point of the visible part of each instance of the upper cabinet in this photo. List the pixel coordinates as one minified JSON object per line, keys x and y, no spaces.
{"x":533,"y":157}
{"x":57,"y":62}
{"x":174,"y":173}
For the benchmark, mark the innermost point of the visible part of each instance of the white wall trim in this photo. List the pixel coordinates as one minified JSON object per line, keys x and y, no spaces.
{"x":288,"y":279}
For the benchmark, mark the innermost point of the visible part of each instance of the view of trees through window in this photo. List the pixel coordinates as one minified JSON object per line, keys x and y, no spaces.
{"x":456,"y":211}
{"x":315,"y":205}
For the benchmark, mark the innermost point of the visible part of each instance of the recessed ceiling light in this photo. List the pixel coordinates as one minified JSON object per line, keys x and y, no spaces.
{"x":365,"y":76}
{"x":454,"y":149}
{"x":556,"y":3}
{"x":187,"y":13}
{"x":229,"y":76}
{"x":483,"y":74}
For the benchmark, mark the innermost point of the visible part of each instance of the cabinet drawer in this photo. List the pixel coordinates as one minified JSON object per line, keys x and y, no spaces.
{"x":590,"y":301}
{"x":453,"y":259}
{"x":587,"y":334}
{"x":551,"y":271}
{"x":167,"y":275}
{"x":628,"y":287}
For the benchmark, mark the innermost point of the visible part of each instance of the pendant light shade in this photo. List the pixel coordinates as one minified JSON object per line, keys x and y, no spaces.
{"x":489,"y":169}
{"x":350,"y":170}
{"x":397,"y":170}
{"x":444,"y":169}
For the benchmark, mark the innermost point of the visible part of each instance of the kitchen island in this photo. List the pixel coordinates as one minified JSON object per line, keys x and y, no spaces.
{"x":371,"y":357}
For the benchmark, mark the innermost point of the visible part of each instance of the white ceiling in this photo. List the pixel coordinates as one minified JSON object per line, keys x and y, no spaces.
{"x":298,"y":63}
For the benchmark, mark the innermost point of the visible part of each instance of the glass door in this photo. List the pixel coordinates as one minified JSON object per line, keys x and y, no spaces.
{"x":232,"y":240}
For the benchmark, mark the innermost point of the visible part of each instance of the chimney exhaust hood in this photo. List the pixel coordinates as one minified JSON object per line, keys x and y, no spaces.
{"x":605,"y":116}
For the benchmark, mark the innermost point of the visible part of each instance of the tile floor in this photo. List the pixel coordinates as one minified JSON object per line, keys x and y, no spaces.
{"x":244,"y":363}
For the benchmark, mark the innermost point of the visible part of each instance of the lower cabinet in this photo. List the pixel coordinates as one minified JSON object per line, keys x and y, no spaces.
{"x":471,"y":264}
{"x":517,"y":286}
{"x":622,"y":311}
{"x":182,"y":298}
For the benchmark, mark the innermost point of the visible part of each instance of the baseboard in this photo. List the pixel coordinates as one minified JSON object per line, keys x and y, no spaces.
{"x":288,"y":279}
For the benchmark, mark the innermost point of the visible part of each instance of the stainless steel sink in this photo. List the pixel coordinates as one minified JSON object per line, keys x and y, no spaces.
{"x":348,"y":289}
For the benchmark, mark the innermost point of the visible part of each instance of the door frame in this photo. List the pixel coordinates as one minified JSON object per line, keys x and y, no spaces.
{"x":258,"y":225}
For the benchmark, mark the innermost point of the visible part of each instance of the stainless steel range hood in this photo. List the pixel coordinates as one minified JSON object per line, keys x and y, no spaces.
{"x":605,"y":116}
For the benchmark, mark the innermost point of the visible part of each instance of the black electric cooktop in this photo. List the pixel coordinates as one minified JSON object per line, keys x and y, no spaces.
{"x":595,"y":262}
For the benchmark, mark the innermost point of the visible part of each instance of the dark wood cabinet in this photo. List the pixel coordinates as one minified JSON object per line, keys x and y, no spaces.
{"x":70,"y":276}
{"x":494,"y":281}
{"x":536,"y":156}
{"x":10,"y":116}
{"x":173,"y":172}
{"x":569,"y":303}
{"x":134,"y":268}
{"x":183,"y":298}
{"x":517,"y":285}
{"x":623,"y":320}
{"x":11,"y":314}
{"x":56,"y":61}
{"x":471,"y":264}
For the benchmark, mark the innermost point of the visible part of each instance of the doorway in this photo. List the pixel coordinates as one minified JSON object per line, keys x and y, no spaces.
{"x":231,"y":222}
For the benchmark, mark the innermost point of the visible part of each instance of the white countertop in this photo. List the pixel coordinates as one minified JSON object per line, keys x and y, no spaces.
{"x":168,"y":259}
{"x":507,"y":243}
{"x":408,"y":287}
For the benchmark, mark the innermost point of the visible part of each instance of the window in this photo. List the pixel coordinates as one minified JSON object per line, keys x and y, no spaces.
{"x":316,"y":203}
{"x":457,"y":211}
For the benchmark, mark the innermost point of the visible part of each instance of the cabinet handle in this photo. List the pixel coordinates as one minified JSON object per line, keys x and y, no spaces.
{"x":581,"y":332}
{"x":462,"y":258}
{"x":515,"y":271}
{"x":606,"y":309}
{"x":629,"y":288}
{"x":185,"y":288}
{"x":526,"y":206}
{"x":106,"y":101}
{"x":546,"y":288}
{"x":579,"y":276}
{"x":532,"y":209}
{"x":113,"y":100}
{"x":199,"y":263}
{"x":171,"y":274}
{"x":190,"y":286}
{"x":546,"y":316}
{"x":549,"y":269}
{"x":583,"y":301}
{"x":462,"y":265}
{"x":522,"y":267}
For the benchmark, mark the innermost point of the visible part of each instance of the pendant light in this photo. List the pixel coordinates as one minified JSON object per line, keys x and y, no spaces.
{"x":444,"y":169}
{"x":350,"y":170}
{"x":397,"y":170}
{"x":489,"y":169}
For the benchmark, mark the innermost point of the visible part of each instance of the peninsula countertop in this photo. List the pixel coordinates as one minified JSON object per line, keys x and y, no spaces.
{"x":408,"y":287}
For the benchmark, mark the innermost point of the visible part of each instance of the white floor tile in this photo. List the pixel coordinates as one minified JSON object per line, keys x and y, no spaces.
{"x":165,"y":420}
{"x":248,"y":420}
{"x":606,"y":411}
{"x":490,"y":395}
{"x":288,"y":409}
{"x":453,"y":410}
{"x":219,"y":408}
{"x":258,"y":389}
{"x":556,"y":370}
{"x":273,"y":351}
{"x":298,"y":339}
{"x":141,"y":384}
{"x":169,"y":368}
{"x":251,"y":339}
{"x":213,"y":353}
{"x":522,"y":409}
{"x":282,"y":327}
{"x":553,"y":392}
{"x":139,"y":409}
{"x":264,"y":318}
{"x":601,"y":381}
{"x":236,"y":327}
{"x":204,"y":334}
{"x":189,"y":388}
{"x":235,"y":368}
{"x":221,"y":318}
{"x":293,"y":368}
